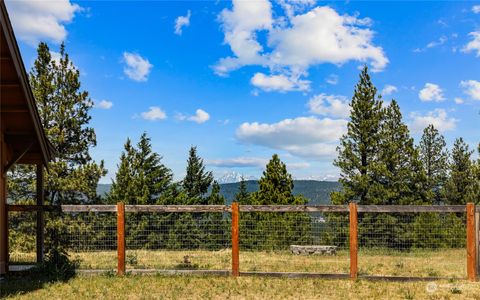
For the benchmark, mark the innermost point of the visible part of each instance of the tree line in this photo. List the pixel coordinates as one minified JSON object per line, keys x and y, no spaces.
{"x":377,"y":158}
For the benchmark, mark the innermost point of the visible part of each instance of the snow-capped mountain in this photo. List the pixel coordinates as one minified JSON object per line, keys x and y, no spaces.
{"x":232,"y":177}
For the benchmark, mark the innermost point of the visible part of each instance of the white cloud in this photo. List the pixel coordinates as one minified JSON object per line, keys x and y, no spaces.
{"x":309,"y":137}
{"x":104,"y":104}
{"x":329,"y":105}
{"x":476,"y":9}
{"x":279,"y":83}
{"x":154,"y":113}
{"x":182,"y":21}
{"x":437,"y":118}
{"x":471,"y":88}
{"x":238,"y":162}
{"x":388,"y":90}
{"x":318,"y":36}
{"x":34,"y":21}
{"x":474,"y":44}
{"x":431,"y":92}
{"x":297,"y":165}
{"x":332,"y":79}
{"x":136,"y":67}
{"x":200,"y":116}
{"x":459,"y":100}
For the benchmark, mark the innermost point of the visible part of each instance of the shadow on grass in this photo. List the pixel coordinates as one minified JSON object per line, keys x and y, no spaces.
{"x":23,"y":282}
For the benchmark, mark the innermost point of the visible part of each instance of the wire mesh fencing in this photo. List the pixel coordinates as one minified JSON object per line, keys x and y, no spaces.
{"x":294,"y":242}
{"x":90,"y":238}
{"x":22,"y":237}
{"x":178,"y":240}
{"x":428,"y":244}
{"x":405,"y":241}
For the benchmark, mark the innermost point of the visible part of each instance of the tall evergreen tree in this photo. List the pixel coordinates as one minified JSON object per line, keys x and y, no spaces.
{"x":458,"y":188}
{"x":359,"y":147}
{"x":401,"y":174}
{"x":434,"y":156}
{"x":243,"y":196}
{"x":141,"y":177}
{"x":64,"y":110}
{"x":276,"y":185}
{"x":197,"y":180}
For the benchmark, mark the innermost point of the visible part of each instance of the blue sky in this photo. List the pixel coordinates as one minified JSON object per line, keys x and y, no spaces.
{"x":244,"y":80}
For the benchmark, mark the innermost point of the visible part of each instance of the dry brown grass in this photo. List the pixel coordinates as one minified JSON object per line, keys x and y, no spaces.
{"x":449,"y":263}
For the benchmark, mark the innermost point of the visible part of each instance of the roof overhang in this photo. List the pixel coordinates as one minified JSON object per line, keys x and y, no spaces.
{"x":21,"y":124}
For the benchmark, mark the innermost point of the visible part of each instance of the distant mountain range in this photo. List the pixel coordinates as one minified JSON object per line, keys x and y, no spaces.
{"x":318,"y":192}
{"x":233,"y":177}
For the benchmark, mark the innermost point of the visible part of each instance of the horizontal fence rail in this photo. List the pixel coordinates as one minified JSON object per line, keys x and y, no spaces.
{"x":244,"y":208}
{"x":337,"y":241}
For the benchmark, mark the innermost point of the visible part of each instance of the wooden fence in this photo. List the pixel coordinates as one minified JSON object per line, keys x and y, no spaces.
{"x":472,"y":229}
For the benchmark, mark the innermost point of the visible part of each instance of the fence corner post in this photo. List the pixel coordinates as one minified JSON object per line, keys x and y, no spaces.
{"x":121,"y":238}
{"x":235,"y":238}
{"x":353,"y":240}
{"x":471,"y":243}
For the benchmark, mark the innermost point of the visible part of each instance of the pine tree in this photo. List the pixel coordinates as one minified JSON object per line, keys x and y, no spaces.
{"x":215,"y":197}
{"x":64,"y":110}
{"x":122,"y":189}
{"x":276,"y":185}
{"x":243,"y":196}
{"x":141,"y":177}
{"x":458,"y":188}
{"x":402,"y":177}
{"x":359,"y":147}
{"x":434,"y":156}
{"x":197,"y":180}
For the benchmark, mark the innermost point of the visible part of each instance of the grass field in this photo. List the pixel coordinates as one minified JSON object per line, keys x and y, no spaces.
{"x":211,"y":287}
{"x":449,"y":263}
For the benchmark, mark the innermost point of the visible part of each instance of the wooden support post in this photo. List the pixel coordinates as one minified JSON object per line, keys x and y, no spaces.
{"x":40,"y":214}
{"x":121,"y":238}
{"x":477,"y":239}
{"x":235,"y":240}
{"x":471,"y":240}
{"x":353,"y":241}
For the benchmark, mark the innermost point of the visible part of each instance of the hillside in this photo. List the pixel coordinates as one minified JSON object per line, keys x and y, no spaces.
{"x":317,"y":191}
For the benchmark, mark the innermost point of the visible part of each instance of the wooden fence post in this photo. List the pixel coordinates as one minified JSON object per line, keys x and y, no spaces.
{"x":477,"y":239}
{"x":353,"y":240}
{"x":471,"y":240}
{"x":121,"y":238}
{"x":235,"y":238}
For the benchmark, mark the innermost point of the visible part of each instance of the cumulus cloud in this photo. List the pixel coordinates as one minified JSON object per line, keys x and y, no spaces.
{"x":154,"y":113}
{"x":431,"y":92}
{"x":388,"y":90}
{"x":104,"y":104}
{"x":437,"y":118}
{"x":329,"y":105}
{"x":459,"y":100}
{"x":34,"y":21}
{"x":474,"y":44}
{"x":200,"y":117}
{"x":182,"y":21}
{"x":309,"y":137}
{"x":296,"y":42}
{"x":281,"y":83}
{"x":476,"y":9}
{"x":471,"y":88}
{"x":136,"y":67}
